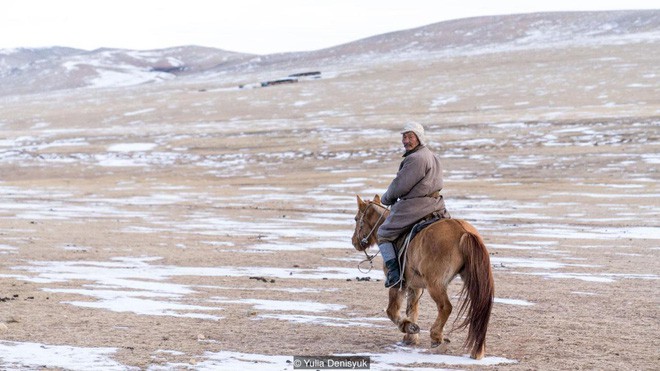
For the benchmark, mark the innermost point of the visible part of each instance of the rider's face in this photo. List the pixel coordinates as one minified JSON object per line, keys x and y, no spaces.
{"x":409,"y":140}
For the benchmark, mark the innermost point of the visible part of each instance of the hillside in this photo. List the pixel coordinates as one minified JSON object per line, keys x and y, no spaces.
{"x":25,"y":71}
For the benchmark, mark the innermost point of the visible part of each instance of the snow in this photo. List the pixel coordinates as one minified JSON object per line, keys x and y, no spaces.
{"x":35,"y":355}
{"x":130,"y":302}
{"x":443,"y":101}
{"x":139,"y":112}
{"x":283,"y":305}
{"x":7,"y":249}
{"x":602,"y":277}
{"x":226,"y":360}
{"x":513,"y":302}
{"x":531,"y":263}
{"x":405,"y":356}
{"x":602,"y":233}
{"x":17,"y":355}
{"x":131,"y":147}
{"x":397,"y":358}
{"x":327,"y":320}
{"x":137,"y":286}
{"x":110,"y":78}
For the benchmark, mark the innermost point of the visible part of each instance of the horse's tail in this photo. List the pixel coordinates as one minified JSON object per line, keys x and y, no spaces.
{"x":478,"y":293}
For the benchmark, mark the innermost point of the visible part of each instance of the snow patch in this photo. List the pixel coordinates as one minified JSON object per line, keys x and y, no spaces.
{"x":36,"y":356}
{"x":131,"y":147}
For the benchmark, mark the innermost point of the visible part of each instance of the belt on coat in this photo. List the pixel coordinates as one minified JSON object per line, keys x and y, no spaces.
{"x":435,"y":194}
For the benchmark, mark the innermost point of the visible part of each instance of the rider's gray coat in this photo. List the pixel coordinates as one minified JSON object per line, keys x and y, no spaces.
{"x":410,"y":193}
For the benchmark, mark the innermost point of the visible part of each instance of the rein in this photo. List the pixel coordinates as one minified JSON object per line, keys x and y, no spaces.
{"x":365,"y":240}
{"x":370,"y":259}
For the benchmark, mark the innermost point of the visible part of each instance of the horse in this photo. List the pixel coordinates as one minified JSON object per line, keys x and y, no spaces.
{"x":435,"y":256}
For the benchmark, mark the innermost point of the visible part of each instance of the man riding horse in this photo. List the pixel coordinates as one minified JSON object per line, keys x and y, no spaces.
{"x":439,"y":253}
{"x":413,"y":194}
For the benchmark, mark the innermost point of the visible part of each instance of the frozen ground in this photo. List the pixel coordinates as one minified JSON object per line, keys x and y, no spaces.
{"x":190,"y":224}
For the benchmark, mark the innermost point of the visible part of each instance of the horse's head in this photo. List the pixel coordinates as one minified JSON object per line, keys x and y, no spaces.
{"x":370,"y":215}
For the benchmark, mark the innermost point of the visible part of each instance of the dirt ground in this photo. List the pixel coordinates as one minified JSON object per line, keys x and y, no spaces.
{"x":177,"y":221}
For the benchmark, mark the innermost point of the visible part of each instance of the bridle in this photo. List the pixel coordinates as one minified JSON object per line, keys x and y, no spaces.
{"x":365,"y":240}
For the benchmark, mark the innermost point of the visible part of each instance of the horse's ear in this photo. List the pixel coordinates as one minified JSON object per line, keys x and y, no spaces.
{"x":359,"y":200}
{"x":377,"y":199}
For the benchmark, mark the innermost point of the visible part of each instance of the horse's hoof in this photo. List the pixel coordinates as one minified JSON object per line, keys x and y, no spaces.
{"x":410,"y":340}
{"x":478,"y":354}
{"x":435,"y":344}
{"x":412,"y":328}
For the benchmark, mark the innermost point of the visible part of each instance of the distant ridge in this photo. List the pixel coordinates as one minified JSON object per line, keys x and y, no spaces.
{"x":534,"y":29}
{"x":24,"y":71}
{"x":28,"y":71}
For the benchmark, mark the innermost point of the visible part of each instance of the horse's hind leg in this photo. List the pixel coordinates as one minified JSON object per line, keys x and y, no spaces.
{"x":410,"y":326}
{"x":439,"y":295}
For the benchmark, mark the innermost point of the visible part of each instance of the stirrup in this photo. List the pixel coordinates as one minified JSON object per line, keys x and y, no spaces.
{"x":389,"y":285}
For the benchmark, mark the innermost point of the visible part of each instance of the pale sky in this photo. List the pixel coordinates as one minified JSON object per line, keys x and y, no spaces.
{"x":250,"y":26}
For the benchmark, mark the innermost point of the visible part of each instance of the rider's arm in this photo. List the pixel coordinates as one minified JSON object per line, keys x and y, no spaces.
{"x":411,"y":172}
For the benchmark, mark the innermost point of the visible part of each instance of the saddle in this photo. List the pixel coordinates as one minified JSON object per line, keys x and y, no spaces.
{"x":401,"y":243}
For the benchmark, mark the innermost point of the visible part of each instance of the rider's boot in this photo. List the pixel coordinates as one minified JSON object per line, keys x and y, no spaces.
{"x":393,"y":274}
{"x":391,"y":263}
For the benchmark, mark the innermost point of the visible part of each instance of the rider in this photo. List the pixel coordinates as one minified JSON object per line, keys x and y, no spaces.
{"x":414,"y":194}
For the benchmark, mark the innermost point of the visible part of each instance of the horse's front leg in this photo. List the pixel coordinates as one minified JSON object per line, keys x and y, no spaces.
{"x":410,"y":326}
{"x":394,"y":305}
{"x":405,"y":325}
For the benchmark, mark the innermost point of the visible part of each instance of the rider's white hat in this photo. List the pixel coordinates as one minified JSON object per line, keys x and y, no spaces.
{"x":416,"y":128}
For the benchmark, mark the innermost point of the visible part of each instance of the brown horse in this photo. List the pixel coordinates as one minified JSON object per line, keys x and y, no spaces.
{"x":435,"y":256}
